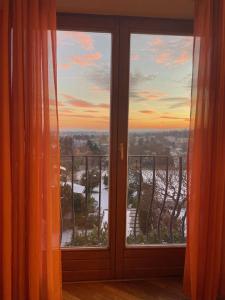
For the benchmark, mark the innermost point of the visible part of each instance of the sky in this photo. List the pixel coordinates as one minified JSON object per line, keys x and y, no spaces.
{"x":160,"y":81}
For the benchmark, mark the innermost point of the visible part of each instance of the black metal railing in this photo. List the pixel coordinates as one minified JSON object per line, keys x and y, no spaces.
{"x":157,"y":188}
{"x":86,"y":214}
{"x":160,"y":207}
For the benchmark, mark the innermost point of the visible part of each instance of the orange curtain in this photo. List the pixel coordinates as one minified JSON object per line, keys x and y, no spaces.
{"x":30,"y":262}
{"x":205,"y":255}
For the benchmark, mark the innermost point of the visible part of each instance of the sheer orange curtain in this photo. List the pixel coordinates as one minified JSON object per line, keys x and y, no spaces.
{"x":30,"y":263}
{"x":205,"y":256}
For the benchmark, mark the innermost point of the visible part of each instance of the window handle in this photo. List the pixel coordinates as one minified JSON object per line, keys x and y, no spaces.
{"x":121,"y":151}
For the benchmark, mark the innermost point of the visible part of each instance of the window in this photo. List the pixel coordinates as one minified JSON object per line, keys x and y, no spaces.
{"x":159,"y":110}
{"x":84,"y":69}
{"x":124,"y":103}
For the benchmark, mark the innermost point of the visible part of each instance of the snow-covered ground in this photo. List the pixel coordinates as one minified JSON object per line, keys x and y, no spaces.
{"x":66,"y":237}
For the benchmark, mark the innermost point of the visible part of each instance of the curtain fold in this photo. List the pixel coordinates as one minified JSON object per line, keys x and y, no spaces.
{"x":30,"y":261}
{"x":205,"y":255}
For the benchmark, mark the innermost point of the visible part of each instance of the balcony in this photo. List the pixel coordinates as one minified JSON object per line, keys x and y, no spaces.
{"x":156,"y":200}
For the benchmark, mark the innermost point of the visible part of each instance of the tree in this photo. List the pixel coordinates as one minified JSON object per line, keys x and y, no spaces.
{"x":94,"y":148}
{"x":66,"y":145}
{"x":66,"y":206}
{"x":133,"y":186}
{"x":105,"y":179}
{"x":91,"y":181}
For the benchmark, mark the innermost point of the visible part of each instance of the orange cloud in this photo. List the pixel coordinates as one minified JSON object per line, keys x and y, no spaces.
{"x":156,"y":42}
{"x":83,"y":103}
{"x":175,"y":118}
{"x":82,"y":38}
{"x":163,"y":58}
{"x":86,"y":59}
{"x":80,"y":103}
{"x":182,"y":58}
{"x":64,"y":66}
{"x":86,"y":116}
{"x":146,"y":111}
{"x":135,"y":57}
{"x":169,"y":58}
{"x":90,"y":111}
{"x":153,"y":95}
{"x":63,"y":111}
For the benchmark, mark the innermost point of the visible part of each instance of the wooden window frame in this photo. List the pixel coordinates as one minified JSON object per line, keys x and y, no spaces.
{"x":119,"y":261}
{"x":149,"y":260}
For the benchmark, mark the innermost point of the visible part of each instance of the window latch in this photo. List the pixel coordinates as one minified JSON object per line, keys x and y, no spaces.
{"x":121,"y":151}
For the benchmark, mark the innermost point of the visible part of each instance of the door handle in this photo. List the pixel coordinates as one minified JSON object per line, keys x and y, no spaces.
{"x":121,"y":151}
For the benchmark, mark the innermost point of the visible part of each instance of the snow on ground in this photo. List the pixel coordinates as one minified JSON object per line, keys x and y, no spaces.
{"x":66,"y":237}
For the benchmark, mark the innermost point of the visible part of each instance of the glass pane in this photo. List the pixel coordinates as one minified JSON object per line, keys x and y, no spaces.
{"x":84,"y":66}
{"x":159,"y":108}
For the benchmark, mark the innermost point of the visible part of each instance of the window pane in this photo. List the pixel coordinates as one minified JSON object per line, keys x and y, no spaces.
{"x":159,"y":108}
{"x":84,"y":66}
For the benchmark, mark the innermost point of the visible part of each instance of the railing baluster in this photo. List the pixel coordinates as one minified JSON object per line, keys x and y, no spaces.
{"x":164,"y":199}
{"x":73,"y":206}
{"x":149,"y":215}
{"x":86,"y":194}
{"x":61,"y":219}
{"x":99,"y":199}
{"x":139,"y":196}
{"x":183,"y":225}
{"x":177,"y":201}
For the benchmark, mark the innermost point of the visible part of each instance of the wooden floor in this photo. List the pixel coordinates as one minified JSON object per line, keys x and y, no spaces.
{"x":157,"y":289}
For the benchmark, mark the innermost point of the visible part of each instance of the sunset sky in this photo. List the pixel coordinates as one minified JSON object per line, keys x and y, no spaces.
{"x":160,"y":80}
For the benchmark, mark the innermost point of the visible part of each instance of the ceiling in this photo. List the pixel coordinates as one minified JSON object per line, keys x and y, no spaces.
{"x":179,"y":9}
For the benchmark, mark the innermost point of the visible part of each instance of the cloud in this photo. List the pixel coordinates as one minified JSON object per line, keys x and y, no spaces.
{"x":157,"y":41}
{"x":98,"y":89}
{"x":82,"y":38}
{"x":146,"y":111}
{"x":180,"y":104}
{"x":155,"y":44}
{"x":83,"y":60}
{"x":173,"y":51}
{"x":183,"y":44}
{"x":163,"y":58}
{"x":83,"y":103}
{"x":86,"y":59}
{"x":65,"y":66}
{"x":135,"y":57}
{"x":167,"y":50}
{"x":176,"y":102}
{"x":100,"y":77}
{"x":87,"y":116}
{"x":186,"y":81}
{"x":182,"y":58}
{"x":65,"y":111}
{"x":151,"y":95}
{"x":91,"y":111}
{"x":169,"y":58}
{"x":137,"y":77}
{"x":172,"y":99}
{"x":146,"y":95}
{"x":174,"y":118}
